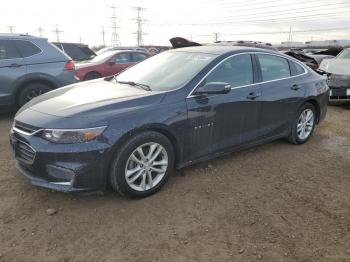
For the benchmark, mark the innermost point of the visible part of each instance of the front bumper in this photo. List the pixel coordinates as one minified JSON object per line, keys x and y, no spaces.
{"x":66,"y":168}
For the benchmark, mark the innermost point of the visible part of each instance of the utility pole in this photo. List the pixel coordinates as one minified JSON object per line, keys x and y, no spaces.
{"x":80,"y":39}
{"x":115,"y":37}
{"x":216,"y":37}
{"x":41,"y":31}
{"x":139,"y":23}
{"x":11,"y":28}
{"x":103,"y":36}
{"x":290,"y":37}
{"x":57,"y":31}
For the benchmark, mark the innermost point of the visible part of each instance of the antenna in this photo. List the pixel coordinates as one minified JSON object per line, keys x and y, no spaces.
{"x":139,"y":23}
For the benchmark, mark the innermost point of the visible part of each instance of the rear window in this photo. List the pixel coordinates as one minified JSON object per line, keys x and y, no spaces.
{"x":8,"y":50}
{"x":27,"y":48}
{"x":273,"y":67}
{"x":75,"y":52}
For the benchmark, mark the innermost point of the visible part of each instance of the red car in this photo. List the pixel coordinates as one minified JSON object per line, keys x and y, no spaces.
{"x":108,"y":63}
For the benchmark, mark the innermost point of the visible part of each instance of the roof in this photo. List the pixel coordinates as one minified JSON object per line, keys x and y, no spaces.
{"x":220,"y":50}
{"x":25,"y":36}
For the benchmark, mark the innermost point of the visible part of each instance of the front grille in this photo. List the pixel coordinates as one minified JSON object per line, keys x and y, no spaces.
{"x":25,"y":128}
{"x":24,"y":152}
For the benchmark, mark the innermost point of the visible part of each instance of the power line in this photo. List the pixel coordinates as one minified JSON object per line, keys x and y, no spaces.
{"x":103,"y":36}
{"x":10,"y":28}
{"x":57,"y":31}
{"x":40,"y":31}
{"x":115,"y":37}
{"x":292,"y":11}
{"x":139,"y":22}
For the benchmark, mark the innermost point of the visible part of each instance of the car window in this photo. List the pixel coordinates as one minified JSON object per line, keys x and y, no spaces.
{"x":237,"y":71}
{"x":8,"y":50}
{"x":122,"y":58}
{"x":273,"y":67}
{"x":27,"y":48}
{"x":295,"y":68}
{"x":345,"y":54}
{"x":137,"y":57}
{"x":74,"y":52}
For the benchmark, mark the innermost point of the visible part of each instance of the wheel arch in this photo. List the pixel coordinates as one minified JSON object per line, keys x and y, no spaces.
{"x":31,"y":80}
{"x":160,"y":128}
{"x":92,"y":72}
{"x":317,"y":107}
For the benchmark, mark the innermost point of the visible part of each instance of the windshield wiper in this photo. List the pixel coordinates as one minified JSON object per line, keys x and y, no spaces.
{"x":132,"y":83}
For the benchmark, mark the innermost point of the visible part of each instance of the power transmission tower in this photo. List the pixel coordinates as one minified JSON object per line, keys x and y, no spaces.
{"x":216,"y":37}
{"x":11,"y":28}
{"x":103,"y":36}
{"x":57,"y":31}
{"x":115,"y":37}
{"x":139,"y":22}
{"x":41,"y":31}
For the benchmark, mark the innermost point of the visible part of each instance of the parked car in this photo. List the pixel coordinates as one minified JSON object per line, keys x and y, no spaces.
{"x":121,"y":48}
{"x":338,"y":72}
{"x":30,"y":66}
{"x":304,"y":58}
{"x":174,"y":109}
{"x":109,"y":63}
{"x":77,"y":51}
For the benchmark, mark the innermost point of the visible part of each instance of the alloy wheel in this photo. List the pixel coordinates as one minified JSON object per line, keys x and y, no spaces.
{"x":305,"y":124}
{"x":146,"y":166}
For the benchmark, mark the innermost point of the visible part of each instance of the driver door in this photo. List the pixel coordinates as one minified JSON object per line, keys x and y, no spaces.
{"x":220,"y":121}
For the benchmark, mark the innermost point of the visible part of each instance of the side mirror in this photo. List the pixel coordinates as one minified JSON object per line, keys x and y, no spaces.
{"x":213,"y":88}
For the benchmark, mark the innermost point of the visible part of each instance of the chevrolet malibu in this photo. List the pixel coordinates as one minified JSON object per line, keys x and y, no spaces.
{"x":172,"y":110}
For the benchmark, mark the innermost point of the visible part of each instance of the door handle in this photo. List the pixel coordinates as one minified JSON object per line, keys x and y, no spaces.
{"x":253,"y":95}
{"x":14,"y":65}
{"x":295,"y":87}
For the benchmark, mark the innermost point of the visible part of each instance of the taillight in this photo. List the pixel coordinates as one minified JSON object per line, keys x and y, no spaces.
{"x":69,"y":66}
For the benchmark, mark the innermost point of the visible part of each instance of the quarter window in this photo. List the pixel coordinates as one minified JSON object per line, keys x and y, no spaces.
{"x":236,"y":71}
{"x":295,"y":68}
{"x":27,"y":48}
{"x":273,"y":67}
{"x":8,"y":50}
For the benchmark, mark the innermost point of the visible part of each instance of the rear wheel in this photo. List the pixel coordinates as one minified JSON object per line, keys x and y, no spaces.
{"x":304,"y":125}
{"x":92,"y":75}
{"x":142,"y":165}
{"x":32,"y":90}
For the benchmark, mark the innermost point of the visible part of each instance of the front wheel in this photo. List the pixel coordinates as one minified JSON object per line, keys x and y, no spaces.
{"x":304,"y":125}
{"x":142,"y":165}
{"x":31,"y":91}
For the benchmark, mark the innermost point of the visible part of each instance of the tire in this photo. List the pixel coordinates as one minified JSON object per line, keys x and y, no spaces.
{"x":138,"y":184}
{"x":92,"y":75}
{"x":30,"y":91}
{"x":296,"y":137}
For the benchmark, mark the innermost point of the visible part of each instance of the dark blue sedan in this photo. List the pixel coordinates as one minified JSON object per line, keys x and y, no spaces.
{"x":177,"y":108}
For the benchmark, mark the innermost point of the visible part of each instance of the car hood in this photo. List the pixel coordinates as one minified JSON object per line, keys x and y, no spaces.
{"x":336,"y":66}
{"x":97,"y":98}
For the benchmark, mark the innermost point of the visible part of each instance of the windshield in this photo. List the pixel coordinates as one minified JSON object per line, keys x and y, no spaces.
{"x":102,"y":57}
{"x":166,"y":71}
{"x":345,"y":54}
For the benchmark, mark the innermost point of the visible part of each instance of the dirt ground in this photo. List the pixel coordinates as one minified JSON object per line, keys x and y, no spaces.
{"x":276,"y":202}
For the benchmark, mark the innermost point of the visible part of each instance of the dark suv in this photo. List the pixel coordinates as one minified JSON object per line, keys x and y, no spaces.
{"x":31,"y":66}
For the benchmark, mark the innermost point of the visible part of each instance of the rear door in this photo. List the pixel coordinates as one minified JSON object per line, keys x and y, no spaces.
{"x":138,"y":57}
{"x":218,"y":122}
{"x":12,"y":67}
{"x":282,"y":92}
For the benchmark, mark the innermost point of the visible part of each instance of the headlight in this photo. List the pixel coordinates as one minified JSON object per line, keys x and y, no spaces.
{"x":72,"y":136}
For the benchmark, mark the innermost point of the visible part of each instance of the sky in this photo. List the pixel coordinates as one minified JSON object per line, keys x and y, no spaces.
{"x":199,"y":20}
